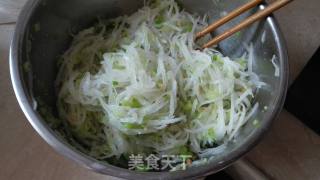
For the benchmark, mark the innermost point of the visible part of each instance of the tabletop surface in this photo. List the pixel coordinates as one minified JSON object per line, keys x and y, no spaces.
{"x":288,"y":151}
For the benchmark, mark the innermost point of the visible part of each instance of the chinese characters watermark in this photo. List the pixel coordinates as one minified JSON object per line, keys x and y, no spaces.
{"x":158,"y":163}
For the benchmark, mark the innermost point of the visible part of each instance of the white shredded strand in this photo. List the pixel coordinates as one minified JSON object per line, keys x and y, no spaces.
{"x":276,"y":66}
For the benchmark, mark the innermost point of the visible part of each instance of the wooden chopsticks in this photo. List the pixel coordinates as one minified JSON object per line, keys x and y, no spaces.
{"x":259,"y":15}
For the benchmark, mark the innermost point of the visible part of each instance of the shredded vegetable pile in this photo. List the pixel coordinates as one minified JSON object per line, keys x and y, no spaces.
{"x":137,"y":85}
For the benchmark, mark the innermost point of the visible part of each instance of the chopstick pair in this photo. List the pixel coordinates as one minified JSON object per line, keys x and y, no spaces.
{"x":250,"y":20}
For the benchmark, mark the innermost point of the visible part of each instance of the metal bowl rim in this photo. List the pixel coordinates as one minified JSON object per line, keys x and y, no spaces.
{"x":63,"y":148}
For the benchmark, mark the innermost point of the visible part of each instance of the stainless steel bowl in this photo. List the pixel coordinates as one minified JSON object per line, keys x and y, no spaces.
{"x":43,"y":33}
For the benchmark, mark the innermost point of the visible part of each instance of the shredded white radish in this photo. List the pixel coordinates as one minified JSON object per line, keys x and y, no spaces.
{"x":137,"y":84}
{"x":276,"y":66}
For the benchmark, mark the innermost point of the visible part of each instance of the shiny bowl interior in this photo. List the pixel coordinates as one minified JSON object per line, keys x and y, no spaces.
{"x":43,"y":34}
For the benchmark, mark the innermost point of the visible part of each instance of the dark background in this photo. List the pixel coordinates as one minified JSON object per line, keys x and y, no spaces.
{"x":303,"y":99}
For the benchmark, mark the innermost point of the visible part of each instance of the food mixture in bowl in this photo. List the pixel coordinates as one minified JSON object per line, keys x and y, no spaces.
{"x":137,"y":85}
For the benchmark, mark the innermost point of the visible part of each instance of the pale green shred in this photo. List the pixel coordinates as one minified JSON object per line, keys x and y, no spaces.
{"x":27,"y":67}
{"x":256,"y":123}
{"x":238,"y":34}
{"x":137,"y":85}
{"x":37,"y":27}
